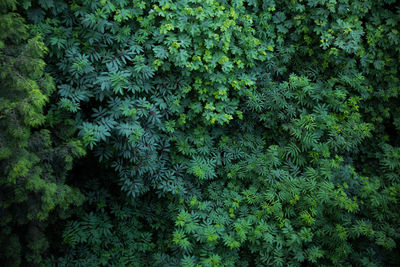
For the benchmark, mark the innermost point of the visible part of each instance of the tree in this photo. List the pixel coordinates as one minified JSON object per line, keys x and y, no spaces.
{"x":33,"y":160}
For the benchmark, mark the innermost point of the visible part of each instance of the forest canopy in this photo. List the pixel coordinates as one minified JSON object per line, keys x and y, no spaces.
{"x":199,"y":133}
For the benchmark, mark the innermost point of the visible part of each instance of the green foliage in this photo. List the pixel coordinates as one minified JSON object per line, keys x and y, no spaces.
{"x":33,"y":161}
{"x":240,"y":133}
{"x":114,"y":238}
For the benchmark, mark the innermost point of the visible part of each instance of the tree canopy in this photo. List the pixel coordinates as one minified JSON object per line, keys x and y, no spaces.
{"x":210,"y":133}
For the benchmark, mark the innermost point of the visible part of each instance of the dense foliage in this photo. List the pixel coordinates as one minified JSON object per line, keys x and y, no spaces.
{"x":220,"y":133}
{"x":33,"y":160}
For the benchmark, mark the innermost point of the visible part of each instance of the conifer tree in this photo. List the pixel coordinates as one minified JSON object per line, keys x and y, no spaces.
{"x":32,"y":167}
